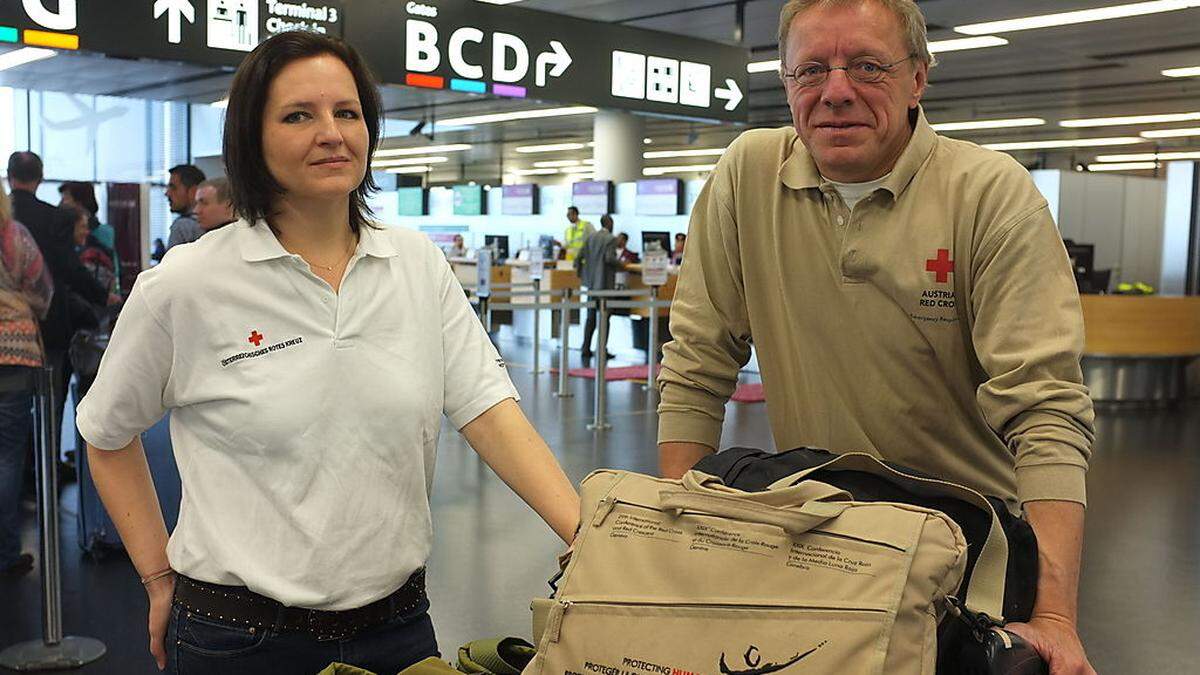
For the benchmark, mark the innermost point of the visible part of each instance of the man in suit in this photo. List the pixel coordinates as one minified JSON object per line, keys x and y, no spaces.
{"x":53,"y":228}
{"x":596,"y":266}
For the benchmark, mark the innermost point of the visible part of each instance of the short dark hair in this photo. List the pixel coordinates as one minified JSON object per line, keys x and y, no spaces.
{"x":252,"y":186}
{"x":189,"y":175}
{"x":606,"y":221}
{"x":83,"y":193}
{"x":220,"y":185}
{"x":25,"y":167}
{"x":573,"y":208}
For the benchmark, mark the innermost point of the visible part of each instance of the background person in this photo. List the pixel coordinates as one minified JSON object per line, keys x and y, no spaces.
{"x":25,"y":292}
{"x":596,"y":265}
{"x":823,"y":241}
{"x":82,"y":194}
{"x":214,"y":204}
{"x":181,"y":194}
{"x":306,"y":404}
{"x":576,"y":233}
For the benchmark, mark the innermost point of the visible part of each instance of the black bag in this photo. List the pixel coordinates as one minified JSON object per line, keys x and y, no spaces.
{"x":961,"y":644}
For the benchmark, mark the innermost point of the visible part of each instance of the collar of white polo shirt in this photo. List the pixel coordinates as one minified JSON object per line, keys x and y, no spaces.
{"x":258,"y":242}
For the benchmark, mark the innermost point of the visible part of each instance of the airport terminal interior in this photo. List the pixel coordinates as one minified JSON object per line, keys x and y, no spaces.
{"x":508,"y":124}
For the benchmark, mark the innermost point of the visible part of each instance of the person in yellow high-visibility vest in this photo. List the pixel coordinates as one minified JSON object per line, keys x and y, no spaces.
{"x":577,"y":233}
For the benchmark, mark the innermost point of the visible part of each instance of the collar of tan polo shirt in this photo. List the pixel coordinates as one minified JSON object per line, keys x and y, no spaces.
{"x":258,"y":243}
{"x":799,"y":171}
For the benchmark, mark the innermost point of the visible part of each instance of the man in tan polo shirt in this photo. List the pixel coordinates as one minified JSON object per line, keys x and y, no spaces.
{"x":907,"y":294}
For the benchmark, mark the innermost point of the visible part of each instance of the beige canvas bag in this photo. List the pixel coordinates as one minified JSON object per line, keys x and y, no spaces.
{"x":674,"y":577}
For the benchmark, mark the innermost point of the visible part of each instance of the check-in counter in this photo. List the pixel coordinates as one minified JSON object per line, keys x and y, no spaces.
{"x":665,"y":292}
{"x":1139,"y":347}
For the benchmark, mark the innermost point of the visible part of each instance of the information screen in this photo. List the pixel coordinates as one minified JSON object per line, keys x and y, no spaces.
{"x":593,"y":196}
{"x":520,"y":200}
{"x":660,"y":197}
{"x":413,"y":201}
{"x":469,"y":201}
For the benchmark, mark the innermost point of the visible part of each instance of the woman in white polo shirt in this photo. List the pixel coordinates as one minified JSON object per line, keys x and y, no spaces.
{"x":307,"y":357}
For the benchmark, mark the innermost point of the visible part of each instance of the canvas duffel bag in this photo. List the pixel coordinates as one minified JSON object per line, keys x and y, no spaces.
{"x":675,"y":577}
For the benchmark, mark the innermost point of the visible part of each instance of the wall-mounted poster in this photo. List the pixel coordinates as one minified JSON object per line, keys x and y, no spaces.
{"x":469,"y":200}
{"x":660,"y":197}
{"x":593,"y":196}
{"x":520,"y":200}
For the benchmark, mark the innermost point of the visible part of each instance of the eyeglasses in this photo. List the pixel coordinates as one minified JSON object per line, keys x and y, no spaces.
{"x":865,"y":70}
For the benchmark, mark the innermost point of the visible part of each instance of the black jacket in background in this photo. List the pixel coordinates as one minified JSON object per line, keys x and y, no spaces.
{"x":54,"y":230}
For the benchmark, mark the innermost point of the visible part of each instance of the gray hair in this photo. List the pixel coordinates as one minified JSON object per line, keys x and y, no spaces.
{"x":912,"y":21}
{"x":220,"y":185}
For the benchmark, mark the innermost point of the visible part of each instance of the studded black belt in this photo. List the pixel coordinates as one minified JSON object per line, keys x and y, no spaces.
{"x":240,"y":605}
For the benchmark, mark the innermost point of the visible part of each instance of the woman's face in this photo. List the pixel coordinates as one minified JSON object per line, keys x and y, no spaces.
{"x":315,"y":140}
{"x":81,"y":229}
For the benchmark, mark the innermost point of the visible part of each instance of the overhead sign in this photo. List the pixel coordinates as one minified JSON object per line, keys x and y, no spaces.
{"x":210,"y":32}
{"x":473,"y":47}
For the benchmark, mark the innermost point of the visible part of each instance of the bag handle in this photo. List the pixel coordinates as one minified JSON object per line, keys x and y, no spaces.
{"x":779,"y":494}
{"x":985,"y":592}
{"x":795,"y":520}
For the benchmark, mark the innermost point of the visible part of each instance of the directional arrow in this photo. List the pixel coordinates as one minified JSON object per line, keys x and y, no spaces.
{"x":732,"y":94}
{"x":559,"y":58}
{"x":176,"y":11}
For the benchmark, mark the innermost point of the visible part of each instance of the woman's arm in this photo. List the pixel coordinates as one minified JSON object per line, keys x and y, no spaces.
{"x":506,"y":440}
{"x":123,"y":480}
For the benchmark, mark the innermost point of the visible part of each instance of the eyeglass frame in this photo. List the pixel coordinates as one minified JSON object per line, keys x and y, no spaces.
{"x":885,"y":69}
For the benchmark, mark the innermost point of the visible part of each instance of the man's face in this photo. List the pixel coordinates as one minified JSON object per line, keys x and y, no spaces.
{"x":572,"y":216}
{"x":855,"y":131}
{"x":180,"y":195}
{"x":210,"y":211}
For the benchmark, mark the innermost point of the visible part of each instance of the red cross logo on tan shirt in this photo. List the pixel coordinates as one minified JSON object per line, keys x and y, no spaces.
{"x":942,"y":265}
{"x":256,"y":338}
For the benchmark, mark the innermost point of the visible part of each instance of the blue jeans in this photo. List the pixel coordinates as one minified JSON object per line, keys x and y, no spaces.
{"x":197,"y":644}
{"x":16,"y":421}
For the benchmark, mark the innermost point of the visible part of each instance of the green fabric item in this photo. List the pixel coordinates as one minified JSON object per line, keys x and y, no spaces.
{"x":430,"y":666}
{"x":343,"y":669}
{"x":498,"y":656}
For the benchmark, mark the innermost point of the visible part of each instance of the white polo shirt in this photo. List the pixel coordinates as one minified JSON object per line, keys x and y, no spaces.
{"x":305,"y":422}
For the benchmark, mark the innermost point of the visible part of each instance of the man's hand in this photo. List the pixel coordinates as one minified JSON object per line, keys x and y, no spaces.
{"x":1057,"y":641}
{"x":160,"y":592}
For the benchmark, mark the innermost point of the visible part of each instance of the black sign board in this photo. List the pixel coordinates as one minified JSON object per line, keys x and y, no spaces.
{"x":474,"y":47}
{"x":457,"y":45}
{"x":210,"y":32}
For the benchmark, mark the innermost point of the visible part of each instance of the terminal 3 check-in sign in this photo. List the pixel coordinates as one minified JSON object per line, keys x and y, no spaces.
{"x":209,"y":32}
{"x":458,"y":45}
{"x":475,"y":47}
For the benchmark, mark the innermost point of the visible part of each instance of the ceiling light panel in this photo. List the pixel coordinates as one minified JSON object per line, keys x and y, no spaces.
{"x":1192,"y":71}
{"x":1130,"y":119}
{"x":686,"y":168}
{"x":402,"y":152}
{"x":935,"y":47}
{"x":1066,"y":143}
{"x":1171,"y":133}
{"x":410,"y":169}
{"x":990,"y":124}
{"x":1130,"y":166}
{"x":20,"y":57}
{"x":495,"y":118}
{"x":551,"y":147}
{"x":1124,"y":11}
{"x":699,"y":152}
{"x":1151,"y":157}
{"x":408,"y":161}
{"x":557,"y":163}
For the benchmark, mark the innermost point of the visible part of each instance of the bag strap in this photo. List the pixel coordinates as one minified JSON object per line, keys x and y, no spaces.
{"x":795,"y":520}
{"x":781,"y":493}
{"x":985,"y":591}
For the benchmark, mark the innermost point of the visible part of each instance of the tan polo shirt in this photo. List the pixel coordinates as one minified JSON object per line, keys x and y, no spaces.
{"x":936,"y":325}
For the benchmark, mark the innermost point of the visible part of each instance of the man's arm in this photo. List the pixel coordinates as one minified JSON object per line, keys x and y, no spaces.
{"x":1028,"y":335}
{"x":710,"y":330}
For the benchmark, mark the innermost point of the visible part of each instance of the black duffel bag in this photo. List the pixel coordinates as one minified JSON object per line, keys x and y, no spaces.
{"x":962,"y":645}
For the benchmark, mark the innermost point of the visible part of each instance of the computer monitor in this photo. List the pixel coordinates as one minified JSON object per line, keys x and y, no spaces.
{"x":1083,"y":259}
{"x":499,"y":245}
{"x":663,"y":239}
{"x":546,"y":243}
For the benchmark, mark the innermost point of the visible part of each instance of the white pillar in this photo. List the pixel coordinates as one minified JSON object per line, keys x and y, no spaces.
{"x":618,"y":150}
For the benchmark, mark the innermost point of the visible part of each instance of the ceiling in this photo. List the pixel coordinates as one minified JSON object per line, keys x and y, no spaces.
{"x":1105,"y":68}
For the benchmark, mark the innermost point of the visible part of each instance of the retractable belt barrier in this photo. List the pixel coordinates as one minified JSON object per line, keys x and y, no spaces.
{"x":53,"y":651}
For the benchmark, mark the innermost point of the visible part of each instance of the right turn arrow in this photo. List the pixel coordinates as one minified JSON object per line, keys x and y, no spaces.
{"x":732,"y":94}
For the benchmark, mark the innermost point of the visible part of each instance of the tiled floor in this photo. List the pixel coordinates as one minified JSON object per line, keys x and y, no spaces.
{"x":1140,"y":596}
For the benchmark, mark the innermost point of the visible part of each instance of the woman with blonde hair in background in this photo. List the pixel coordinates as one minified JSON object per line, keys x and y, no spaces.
{"x":25,"y":292}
